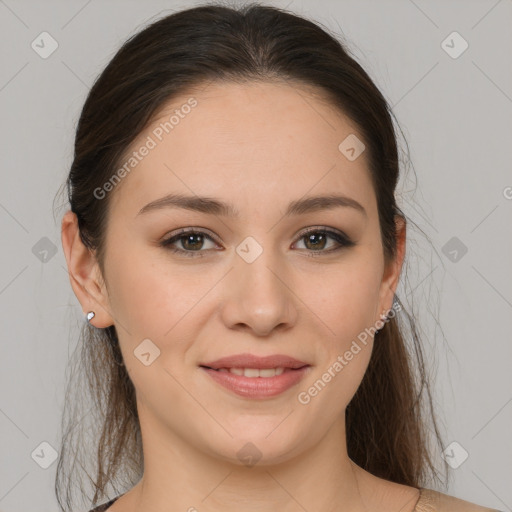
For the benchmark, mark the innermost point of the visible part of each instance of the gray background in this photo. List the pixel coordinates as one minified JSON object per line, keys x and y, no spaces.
{"x":456,"y":114}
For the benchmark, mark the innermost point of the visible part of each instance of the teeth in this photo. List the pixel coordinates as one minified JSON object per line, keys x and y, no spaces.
{"x":254,"y":372}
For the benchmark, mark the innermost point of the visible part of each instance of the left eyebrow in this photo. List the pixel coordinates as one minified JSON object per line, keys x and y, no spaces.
{"x":214,"y":206}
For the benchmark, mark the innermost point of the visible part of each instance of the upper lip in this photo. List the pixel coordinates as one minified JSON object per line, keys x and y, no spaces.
{"x":251,"y":361}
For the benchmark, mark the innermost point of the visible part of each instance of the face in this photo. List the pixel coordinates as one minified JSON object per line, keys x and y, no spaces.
{"x":305,"y":283}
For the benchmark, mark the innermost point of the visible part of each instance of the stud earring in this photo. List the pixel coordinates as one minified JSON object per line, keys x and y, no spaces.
{"x":90,"y":316}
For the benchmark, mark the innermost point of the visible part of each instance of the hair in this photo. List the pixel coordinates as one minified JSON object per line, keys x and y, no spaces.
{"x":386,"y":421}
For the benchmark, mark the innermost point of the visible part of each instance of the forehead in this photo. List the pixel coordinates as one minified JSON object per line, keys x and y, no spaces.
{"x":243,"y":142}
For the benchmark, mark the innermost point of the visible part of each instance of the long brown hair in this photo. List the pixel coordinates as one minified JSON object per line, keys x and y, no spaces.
{"x":386,"y":421}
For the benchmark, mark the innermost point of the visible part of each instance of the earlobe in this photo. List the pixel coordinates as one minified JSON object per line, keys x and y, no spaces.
{"x":84,"y":273}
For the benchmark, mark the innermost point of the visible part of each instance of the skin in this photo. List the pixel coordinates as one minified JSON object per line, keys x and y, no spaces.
{"x":197,"y":309}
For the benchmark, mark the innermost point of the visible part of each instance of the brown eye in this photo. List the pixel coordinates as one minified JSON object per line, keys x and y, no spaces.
{"x":315,"y":240}
{"x":191,"y":241}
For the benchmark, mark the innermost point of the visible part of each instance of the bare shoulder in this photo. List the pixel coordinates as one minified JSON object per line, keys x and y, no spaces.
{"x":435,"y":501}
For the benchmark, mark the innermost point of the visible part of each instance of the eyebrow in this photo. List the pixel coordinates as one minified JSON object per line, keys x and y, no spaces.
{"x":214,"y":206}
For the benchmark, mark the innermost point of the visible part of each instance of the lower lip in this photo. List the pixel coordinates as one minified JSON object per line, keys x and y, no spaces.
{"x":258,"y":387}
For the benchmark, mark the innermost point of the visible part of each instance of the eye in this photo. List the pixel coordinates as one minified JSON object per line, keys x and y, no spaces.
{"x":316,"y":239}
{"x":190,"y":239}
{"x":193,"y":240}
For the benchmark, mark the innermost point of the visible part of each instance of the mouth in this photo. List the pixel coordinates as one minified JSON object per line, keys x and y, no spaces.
{"x":257,"y":377}
{"x":256,"y":372}
{"x":253,"y":362}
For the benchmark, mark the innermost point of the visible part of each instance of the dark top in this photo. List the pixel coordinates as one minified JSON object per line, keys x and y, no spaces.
{"x":104,"y":507}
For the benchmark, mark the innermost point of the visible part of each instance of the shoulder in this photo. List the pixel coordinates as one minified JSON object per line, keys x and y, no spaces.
{"x":435,"y":501}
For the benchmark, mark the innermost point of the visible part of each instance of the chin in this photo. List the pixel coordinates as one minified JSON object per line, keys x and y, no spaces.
{"x":259,"y":449}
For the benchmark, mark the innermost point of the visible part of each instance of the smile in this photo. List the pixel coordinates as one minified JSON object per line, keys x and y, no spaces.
{"x":257,"y":383}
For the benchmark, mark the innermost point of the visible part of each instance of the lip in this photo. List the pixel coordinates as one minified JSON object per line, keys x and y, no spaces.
{"x":252,"y":361}
{"x":258,"y":387}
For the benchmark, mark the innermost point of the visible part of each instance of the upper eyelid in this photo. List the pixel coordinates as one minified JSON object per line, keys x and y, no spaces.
{"x":185,"y":231}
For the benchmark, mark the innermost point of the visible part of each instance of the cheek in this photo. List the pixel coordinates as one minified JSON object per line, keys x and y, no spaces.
{"x":153,"y":301}
{"x":347,"y":307}
{"x":149,"y":296}
{"x":347,"y":299}
{"x":345,"y":352}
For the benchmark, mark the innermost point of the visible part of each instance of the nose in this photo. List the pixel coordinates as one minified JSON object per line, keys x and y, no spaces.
{"x":260,"y":296}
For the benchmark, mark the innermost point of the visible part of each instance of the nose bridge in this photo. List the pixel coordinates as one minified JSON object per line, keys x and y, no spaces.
{"x":257,"y":265}
{"x":259,"y":297}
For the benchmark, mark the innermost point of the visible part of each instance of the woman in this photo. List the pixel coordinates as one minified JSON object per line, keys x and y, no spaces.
{"x":235,"y":245}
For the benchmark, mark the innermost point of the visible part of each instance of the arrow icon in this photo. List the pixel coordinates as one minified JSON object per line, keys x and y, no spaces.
{"x":351,"y":146}
{"x":454,"y":249}
{"x":455,"y":253}
{"x":146,"y":352}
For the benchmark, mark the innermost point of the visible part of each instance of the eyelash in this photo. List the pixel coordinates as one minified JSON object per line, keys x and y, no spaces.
{"x":341,"y":238}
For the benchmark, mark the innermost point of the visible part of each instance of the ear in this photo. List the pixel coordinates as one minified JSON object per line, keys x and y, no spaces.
{"x":392,"y":271}
{"x":84,"y":273}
